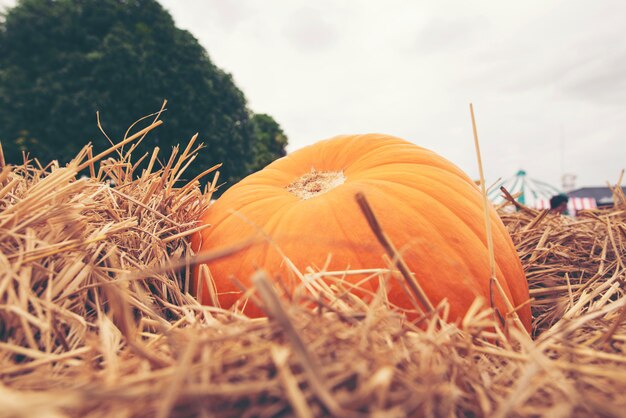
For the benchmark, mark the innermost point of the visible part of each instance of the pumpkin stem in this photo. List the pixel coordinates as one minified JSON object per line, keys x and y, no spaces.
{"x":315,"y":183}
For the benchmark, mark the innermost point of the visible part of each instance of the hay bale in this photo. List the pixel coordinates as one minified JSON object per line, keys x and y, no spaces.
{"x":96,"y":318}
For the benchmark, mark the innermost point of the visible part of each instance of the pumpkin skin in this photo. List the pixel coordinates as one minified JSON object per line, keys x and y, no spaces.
{"x":430,"y":209}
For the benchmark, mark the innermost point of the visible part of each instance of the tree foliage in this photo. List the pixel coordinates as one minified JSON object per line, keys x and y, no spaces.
{"x":63,"y":60}
{"x":270,"y":141}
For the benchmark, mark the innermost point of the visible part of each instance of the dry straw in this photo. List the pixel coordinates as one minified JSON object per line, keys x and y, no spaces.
{"x":96,"y":320}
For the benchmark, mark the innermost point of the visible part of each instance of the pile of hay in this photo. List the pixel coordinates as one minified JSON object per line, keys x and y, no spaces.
{"x":96,"y":318}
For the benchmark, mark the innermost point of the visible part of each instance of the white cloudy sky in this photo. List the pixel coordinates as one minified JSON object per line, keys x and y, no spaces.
{"x":547,"y":78}
{"x":540,"y":74}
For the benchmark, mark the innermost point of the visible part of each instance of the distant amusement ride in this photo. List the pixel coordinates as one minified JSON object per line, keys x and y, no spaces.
{"x":535,"y":194}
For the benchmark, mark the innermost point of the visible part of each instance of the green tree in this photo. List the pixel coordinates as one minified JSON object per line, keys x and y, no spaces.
{"x":270,"y":141}
{"x":63,"y":60}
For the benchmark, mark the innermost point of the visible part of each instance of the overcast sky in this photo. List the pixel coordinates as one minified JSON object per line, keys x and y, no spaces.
{"x":547,"y":78}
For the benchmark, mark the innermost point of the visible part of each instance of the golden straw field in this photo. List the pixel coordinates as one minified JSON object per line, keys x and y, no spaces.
{"x":97,"y":318}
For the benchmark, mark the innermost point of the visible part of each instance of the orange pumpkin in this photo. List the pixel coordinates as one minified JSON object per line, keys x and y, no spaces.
{"x":305,"y":205}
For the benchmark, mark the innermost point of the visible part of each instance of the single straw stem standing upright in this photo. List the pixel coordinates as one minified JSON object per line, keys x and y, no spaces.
{"x":493,"y":280}
{"x":492,"y":260}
